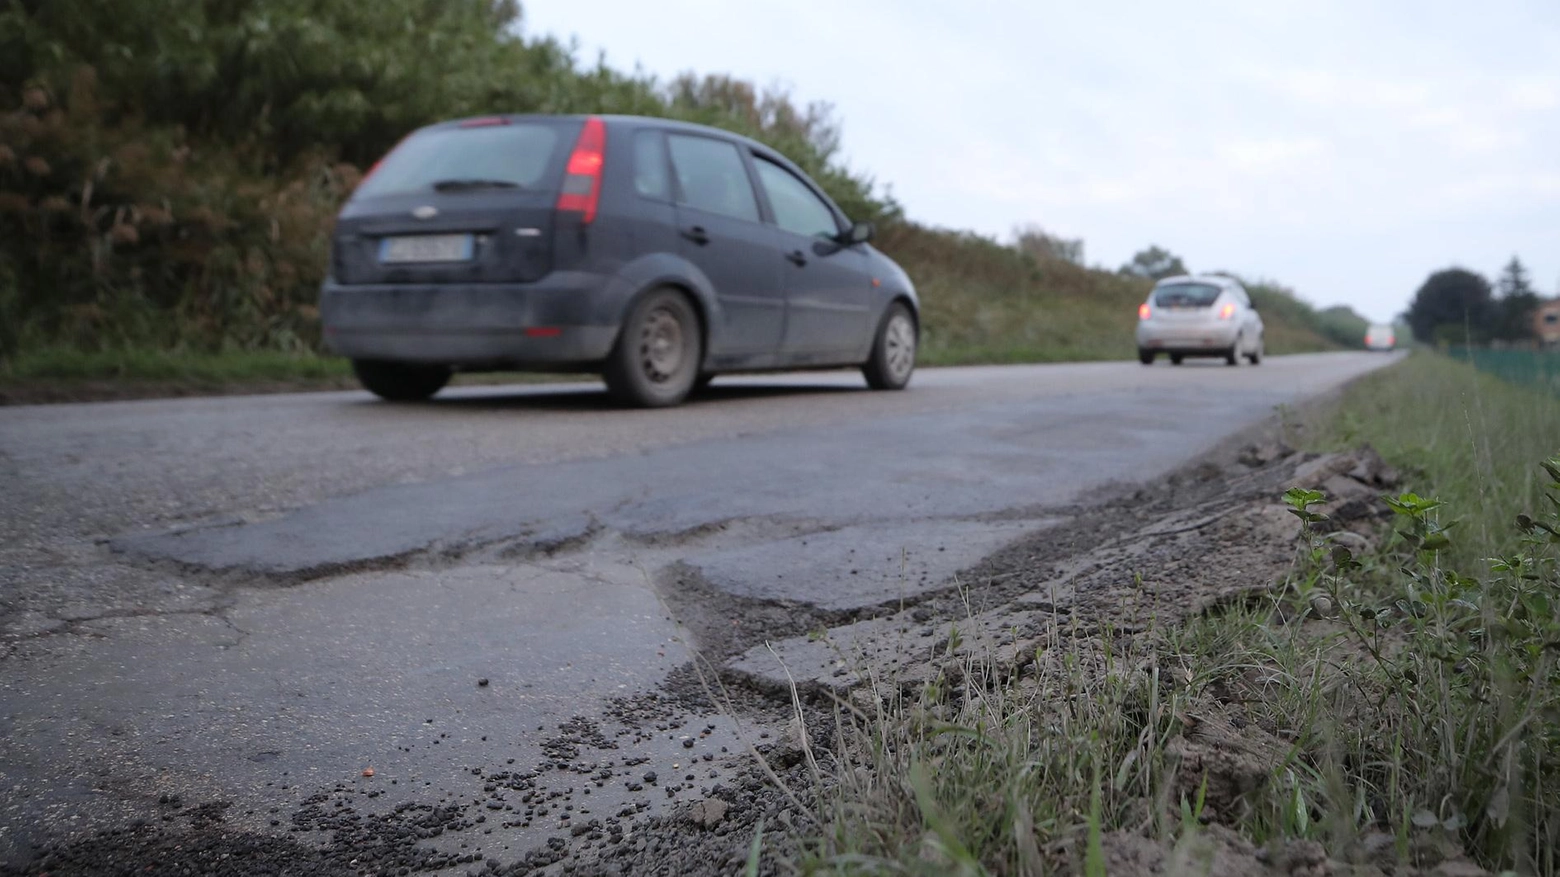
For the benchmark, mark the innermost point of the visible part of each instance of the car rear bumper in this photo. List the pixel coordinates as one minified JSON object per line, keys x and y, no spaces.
{"x":1202,"y":338}
{"x":487,"y":325}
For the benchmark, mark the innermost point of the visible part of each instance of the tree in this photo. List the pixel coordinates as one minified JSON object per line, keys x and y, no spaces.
{"x":1517,"y":302}
{"x":1342,"y":324}
{"x":186,"y":158}
{"x":1041,"y":244}
{"x":1154,"y":263}
{"x":1452,"y":304}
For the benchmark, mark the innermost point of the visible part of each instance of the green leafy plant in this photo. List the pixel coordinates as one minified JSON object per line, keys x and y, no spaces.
{"x":1461,"y":687}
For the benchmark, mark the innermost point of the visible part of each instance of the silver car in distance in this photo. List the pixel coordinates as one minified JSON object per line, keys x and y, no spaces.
{"x":1203,"y":315}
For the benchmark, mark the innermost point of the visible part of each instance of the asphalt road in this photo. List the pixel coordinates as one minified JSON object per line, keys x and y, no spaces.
{"x":249,"y":599}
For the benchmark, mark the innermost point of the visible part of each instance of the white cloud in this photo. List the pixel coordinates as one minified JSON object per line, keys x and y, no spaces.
{"x":1498,"y":187}
{"x":1533,"y":94}
{"x":1340,"y":90}
{"x":1275,"y":154}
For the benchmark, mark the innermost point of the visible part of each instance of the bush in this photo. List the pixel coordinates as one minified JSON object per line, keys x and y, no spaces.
{"x":170,"y":171}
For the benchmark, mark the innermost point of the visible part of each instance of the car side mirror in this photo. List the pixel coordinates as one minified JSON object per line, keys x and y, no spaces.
{"x":858,"y":233}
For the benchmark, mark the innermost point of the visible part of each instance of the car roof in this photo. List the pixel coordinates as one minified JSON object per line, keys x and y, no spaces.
{"x":1215,"y":279}
{"x":612,"y":120}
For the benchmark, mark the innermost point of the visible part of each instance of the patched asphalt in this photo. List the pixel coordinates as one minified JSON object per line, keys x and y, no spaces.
{"x":249,"y":603}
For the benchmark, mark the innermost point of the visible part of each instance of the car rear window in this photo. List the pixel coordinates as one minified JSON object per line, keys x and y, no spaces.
{"x":518,"y":154}
{"x":1186,"y":295}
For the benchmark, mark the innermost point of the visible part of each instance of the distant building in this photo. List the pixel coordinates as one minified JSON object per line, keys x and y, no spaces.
{"x":1546,"y":322}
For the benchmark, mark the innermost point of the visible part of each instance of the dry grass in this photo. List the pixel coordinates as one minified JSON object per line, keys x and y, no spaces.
{"x":1398,"y":709}
{"x":985,"y":302}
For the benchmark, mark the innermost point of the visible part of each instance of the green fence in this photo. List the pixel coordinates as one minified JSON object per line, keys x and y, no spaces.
{"x":1531,"y":368}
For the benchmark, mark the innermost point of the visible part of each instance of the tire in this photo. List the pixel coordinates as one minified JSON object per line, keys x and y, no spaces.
{"x":1176,"y":359}
{"x":400,"y":381}
{"x":1255,"y":356}
{"x":1146,"y":357}
{"x":893,"y":350}
{"x":658,"y":352}
{"x":1232,"y":356}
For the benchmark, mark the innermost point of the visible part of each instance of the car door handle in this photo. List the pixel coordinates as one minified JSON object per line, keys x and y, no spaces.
{"x":796,"y":257}
{"x":697,"y":234}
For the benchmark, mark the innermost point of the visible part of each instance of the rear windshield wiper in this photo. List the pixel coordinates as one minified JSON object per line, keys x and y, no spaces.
{"x":473,"y":183}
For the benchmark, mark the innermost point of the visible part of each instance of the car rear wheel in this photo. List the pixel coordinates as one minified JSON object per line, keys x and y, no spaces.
{"x":1176,"y":359}
{"x":656,"y":359}
{"x":893,"y":351}
{"x":400,"y":381}
{"x":1146,"y":357}
{"x":1256,"y":353}
{"x":1232,"y":356}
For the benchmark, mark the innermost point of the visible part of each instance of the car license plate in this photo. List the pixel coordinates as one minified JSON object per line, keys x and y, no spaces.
{"x":426,"y":248}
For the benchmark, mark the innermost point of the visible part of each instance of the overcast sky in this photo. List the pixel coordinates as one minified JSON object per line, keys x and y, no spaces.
{"x":1346,"y":148}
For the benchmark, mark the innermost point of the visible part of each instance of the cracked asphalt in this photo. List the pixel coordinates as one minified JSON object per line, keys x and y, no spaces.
{"x":494,"y":601}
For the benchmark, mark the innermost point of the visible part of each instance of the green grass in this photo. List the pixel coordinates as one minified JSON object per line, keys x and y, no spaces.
{"x":1409,"y":698}
{"x":984,"y":302}
{"x":237,"y":367}
{"x":64,"y":375}
{"x":1466,"y":437}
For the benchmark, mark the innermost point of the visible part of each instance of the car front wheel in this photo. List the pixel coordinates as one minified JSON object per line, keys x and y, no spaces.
{"x":1146,"y":357}
{"x":658,"y":352}
{"x":400,"y":381}
{"x":893,"y":350}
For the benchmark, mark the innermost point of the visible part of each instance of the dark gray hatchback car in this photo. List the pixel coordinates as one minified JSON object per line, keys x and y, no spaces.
{"x":657,"y":253}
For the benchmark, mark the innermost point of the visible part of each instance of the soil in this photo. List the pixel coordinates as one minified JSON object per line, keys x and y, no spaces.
{"x":1210,"y":534}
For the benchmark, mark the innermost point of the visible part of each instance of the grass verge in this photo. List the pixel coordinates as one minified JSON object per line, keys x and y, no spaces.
{"x":1463,"y":436}
{"x":64,"y":375}
{"x":59,"y":364}
{"x":984,"y":302}
{"x":1391,"y":708}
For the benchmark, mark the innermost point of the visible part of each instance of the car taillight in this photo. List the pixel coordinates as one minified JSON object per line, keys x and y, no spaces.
{"x":1227,"y":311}
{"x":582,"y":180}
{"x":1143,"y":311}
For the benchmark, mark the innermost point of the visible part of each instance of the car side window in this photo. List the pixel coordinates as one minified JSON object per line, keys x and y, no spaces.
{"x":651,"y":178}
{"x":712,"y":176}
{"x":797,"y":208}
